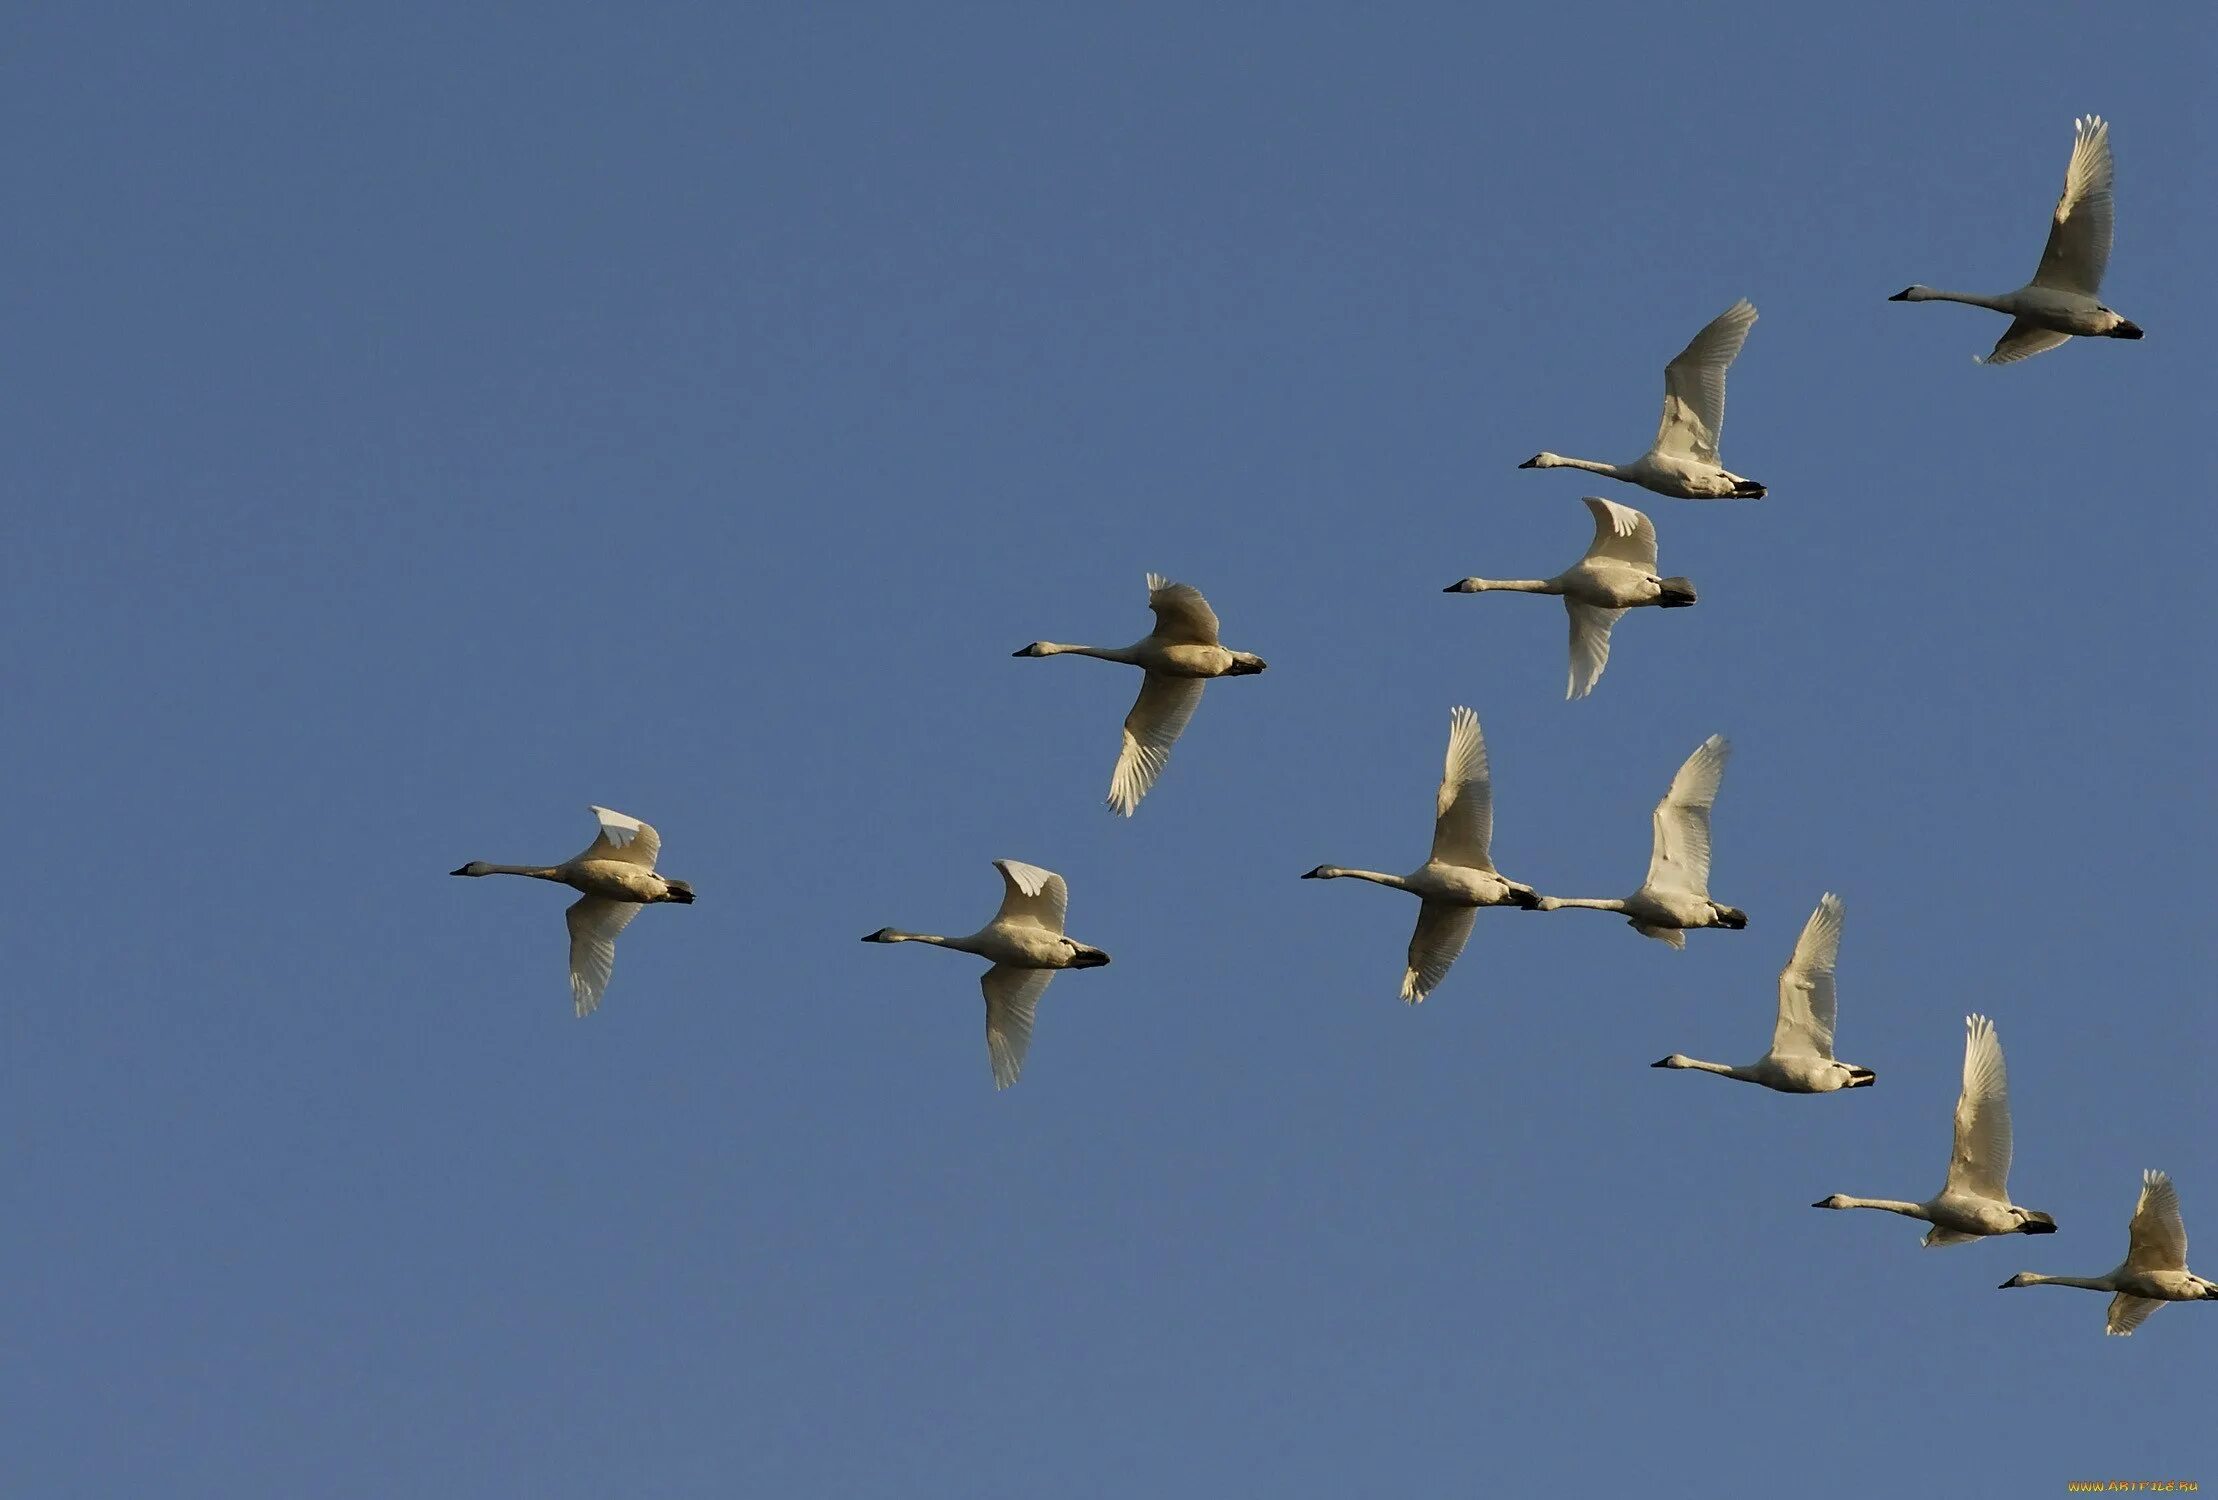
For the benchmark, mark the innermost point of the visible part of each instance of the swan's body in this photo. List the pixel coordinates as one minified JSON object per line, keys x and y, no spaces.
{"x":1676,"y":896}
{"x":2064,"y":296}
{"x":1025,"y":944}
{"x":617,"y":875}
{"x":1801,"y":1058}
{"x":1179,"y":656}
{"x":1683,"y":461}
{"x":1975,"y":1200}
{"x":2154,"y":1271}
{"x":1459,"y":877}
{"x":1618,"y":573}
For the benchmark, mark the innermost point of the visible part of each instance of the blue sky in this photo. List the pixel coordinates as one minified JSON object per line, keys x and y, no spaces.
{"x":429,"y":421}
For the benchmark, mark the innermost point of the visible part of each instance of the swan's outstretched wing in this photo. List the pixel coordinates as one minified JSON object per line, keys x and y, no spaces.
{"x":1442,"y":930}
{"x":1181,"y":613}
{"x":1694,"y":385}
{"x":1031,"y":894}
{"x":2159,"y":1235}
{"x":1463,"y":815}
{"x":1012,"y":999}
{"x":1153,"y":726}
{"x":1671,"y":936}
{"x":1590,"y":645}
{"x":2078,"y":250}
{"x":1981,"y":1161}
{"x":2022,"y":340}
{"x":1681,"y":858}
{"x":624,"y":839}
{"x":594,"y":922}
{"x":1621,"y":533}
{"x":1805,"y":1024}
{"x":1938,"y":1238}
{"x":2128,"y":1313}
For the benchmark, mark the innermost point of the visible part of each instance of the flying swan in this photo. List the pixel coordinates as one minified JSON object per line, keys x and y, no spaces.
{"x":1460,"y":877}
{"x":1683,"y":461}
{"x":2155,"y":1269}
{"x":617,"y":874}
{"x":2063,"y":297}
{"x":1618,"y":573}
{"x":1801,"y":1058}
{"x":1179,"y":656}
{"x":1026,"y":944}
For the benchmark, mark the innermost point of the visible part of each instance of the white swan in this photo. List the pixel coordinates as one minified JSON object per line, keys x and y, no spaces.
{"x":1683,"y":461}
{"x":1179,"y":655}
{"x":1975,"y":1200}
{"x":2063,"y":298}
{"x":2155,"y":1268}
{"x":1026,"y":943}
{"x":1801,"y":1058}
{"x":617,"y":874}
{"x":1676,"y":896}
{"x":1460,"y":877}
{"x":1618,"y":573}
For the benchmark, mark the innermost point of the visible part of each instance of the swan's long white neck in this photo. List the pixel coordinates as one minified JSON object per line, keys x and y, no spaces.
{"x":1677,"y":1060}
{"x":1129,"y":655}
{"x":1592,"y":466}
{"x":1510,"y":585}
{"x":959,"y":944}
{"x":1976,"y":299}
{"x":536,"y":872}
{"x":1890,"y":1205}
{"x":2084,"y":1283}
{"x":1588,"y":903}
{"x":1335,"y":872}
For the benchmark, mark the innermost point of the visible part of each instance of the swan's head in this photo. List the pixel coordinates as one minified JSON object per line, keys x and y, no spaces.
{"x":1466,"y":586}
{"x":1675,"y":1060}
{"x":680,"y":892}
{"x":1245,"y":664}
{"x":1037,"y":648}
{"x":882,"y":935}
{"x":2030,"y":1222}
{"x":1837,"y":1200}
{"x":474,"y":867}
{"x":1322,"y":872}
{"x":2023,"y":1278}
{"x":1732,"y":916}
{"x":1543,"y":461}
{"x":1912,"y":294}
{"x":1083,"y":957}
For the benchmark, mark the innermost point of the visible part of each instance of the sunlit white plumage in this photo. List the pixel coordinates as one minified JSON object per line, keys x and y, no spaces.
{"x":2154,"y":1271}
{"x":1460,"y":877}
{"x":1617,"y":573}
{"x":1675,"y":898}
{"x":1026,"y":946}
{"x":1974,"y":1201}
{"x":2064,"y":296}
{"x":1801,"y":1058}
{"x":616,"y":872}
{"x":1683,"y":462}
{"x":1179,"y":656}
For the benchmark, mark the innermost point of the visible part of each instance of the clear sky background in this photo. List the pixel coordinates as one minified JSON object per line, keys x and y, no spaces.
{"x":428,"y":420}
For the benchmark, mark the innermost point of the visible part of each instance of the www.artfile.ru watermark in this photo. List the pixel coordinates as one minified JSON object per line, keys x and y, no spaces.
{"x":2132,"y":1486}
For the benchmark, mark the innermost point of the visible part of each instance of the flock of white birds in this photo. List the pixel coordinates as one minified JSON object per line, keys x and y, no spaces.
{"x":1025,"y":944}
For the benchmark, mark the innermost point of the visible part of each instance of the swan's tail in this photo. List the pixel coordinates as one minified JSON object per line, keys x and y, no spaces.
{"x":1678,"y":593}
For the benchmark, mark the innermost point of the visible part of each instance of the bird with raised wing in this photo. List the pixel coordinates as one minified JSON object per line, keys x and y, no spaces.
{"x":1675,"y":899}
{"x":1801,"y":1058}
{"x":1459,"y":877}
{"x":2064,"y":297}
{"x":616,"y":872}
{"x":1179,"y":656}
{"x":1975,"y":1200}
{"x":1683,"y":461}
{"x":1618,"y":573}
{"x":1027,"y":948}
{"x":2154,"y":1271}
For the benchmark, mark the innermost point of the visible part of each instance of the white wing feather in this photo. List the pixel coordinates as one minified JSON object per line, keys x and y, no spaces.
{"x":624,"y":839}
{"x":1694,"y":385}
{"x":1621,"y":534}
{"x":2158,"y":1236}
{"x":2078,"y":249}
{"x":595,"y":922}
{"x":1031,"y":894}
{"x":1182,"y":615}
{"x":1442,"y":931}
{"x":1980,"y":1163}
{"x":1806,"y":1001}
{"x":1590,"y":645}
{"x":1157,"y":719}
{"x":1680,"y":860}
{"x":1463,"y":820}
{"x":1012,"y":1000}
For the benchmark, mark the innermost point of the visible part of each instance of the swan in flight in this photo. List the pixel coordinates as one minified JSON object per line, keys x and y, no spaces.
{"x":2063,"y":298}
{"x":2155,"y":1269}
{"x":617,"y":874}
{"x":1179,"y":655}
{"x":1618,"y":573}
{"x":1459,"y":877}
{"x":1975,"y":1201}
{"x":1801,"y":1058}
{"x":1676,"y":895}
{"x":1683,"y":462}
{"x":1026,"y":943}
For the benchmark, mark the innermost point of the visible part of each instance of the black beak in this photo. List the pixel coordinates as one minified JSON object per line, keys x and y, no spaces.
{"x":1316,"y":874}
{"x":463,"y":871}
{"x":1901,"y":296}
{"x":1662,"y":1062}
{"x":1530,"y":463}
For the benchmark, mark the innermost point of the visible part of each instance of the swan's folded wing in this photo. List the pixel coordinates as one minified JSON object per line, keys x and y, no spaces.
{"x":1153,"y":726}
{"x":2159,"y":1235}
{"x":1680,"y":860}
{"x":1463,"y":813}
{"x":1806,"y":1000}
{"x":1181,"y":614}
{"x":594,"y":922}
{"x":1442,"y":930}
{"x":1031,"y":894}
{"x":1590,"y":645}
{"x":1621,"y":533}
{"x":1694,"y":385}
{"x":1980,"y":1162}
{"x":624,"y":839}
{"x":2128,"y":1313}
{"x":2078,"y":250}
{"x":2023,"y":340}
{"x":1012,"y":999}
